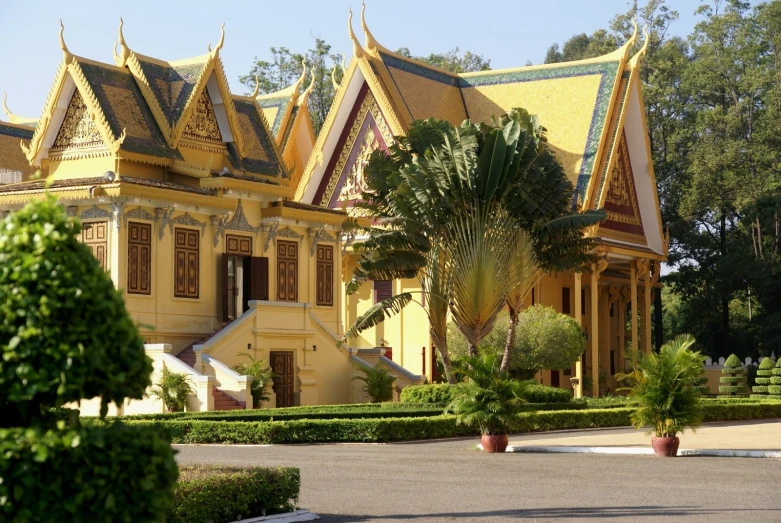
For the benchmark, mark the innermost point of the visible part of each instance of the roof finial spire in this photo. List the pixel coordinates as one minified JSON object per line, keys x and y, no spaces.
{"x":333,"y":72}
{"x":371,"y":43}
{"x":124,"y":51}
{"x":632,"y":39}
{"x":299,"y":82}
{"x":219,"y":45}
{"x":641,"y":53}
{"x":5,"y":106}
{"x":357,"y":49}
{"x":67,"y":56}
{"x":257,"y":88}
{"x":311,"y":86}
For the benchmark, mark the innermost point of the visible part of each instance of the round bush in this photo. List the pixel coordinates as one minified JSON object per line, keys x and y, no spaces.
{"x":65,"y":334}
{"x":114,"y":473}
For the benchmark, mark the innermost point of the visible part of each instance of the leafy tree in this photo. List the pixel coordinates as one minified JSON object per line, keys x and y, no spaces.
{"x":733,"y":380}
{"x":764,"y":373}
{"x":452,"y":61}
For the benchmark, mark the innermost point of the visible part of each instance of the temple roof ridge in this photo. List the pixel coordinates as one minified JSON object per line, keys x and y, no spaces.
{"x":15,"y":118}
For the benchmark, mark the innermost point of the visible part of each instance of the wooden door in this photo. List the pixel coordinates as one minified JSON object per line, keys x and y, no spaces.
{"x":95,"y":236}
{"x":554,"y":378}
{"x":284,"y":374}
{"x":287,"y":271}
{"x":258,"y":278}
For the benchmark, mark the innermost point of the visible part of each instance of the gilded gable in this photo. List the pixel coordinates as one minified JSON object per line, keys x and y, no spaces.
{"x":624,"y":222}
{"x":203,"y":122}
{"x":78,"y":129}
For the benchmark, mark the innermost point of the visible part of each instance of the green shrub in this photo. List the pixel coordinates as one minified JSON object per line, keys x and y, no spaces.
{"x":65,"y":333}
{"x":378,"y":383}
{"x":439,"y":393}
{"x":222,"y":495}
{"x":262,"y":377}
{"x":172,"y":389}
{"x":112,"y":473}
{"x":543,"y":394}
{"x":774,"y":389}
{"x":764,"y":373}
{"x":734,"y":379}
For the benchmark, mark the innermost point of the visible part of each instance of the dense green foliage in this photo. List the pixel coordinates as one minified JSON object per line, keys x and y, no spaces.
{"x":223,"y":495}
{"x":489,"y":399}
{"x":537,"y":393}
{"x":668,"y":393}
{"x":262,"y":377}
{"x":117,"y":473}
{"x":774,"y":389}
{"x":407,"y":429}
{"x":172,"y":389}
{"x":544,"y":339}
{"x":734,"y":377}
{"x":65,"y":334}
{"x":378,"y":383}
{"x":442,"y":394}
{"x":713,"y":109}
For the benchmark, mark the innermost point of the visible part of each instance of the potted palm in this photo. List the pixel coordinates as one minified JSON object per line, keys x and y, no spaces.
{"x":172,"y":389}
{"x":667,"y":390}
{"x":489,"y":400}
{"x":262,"y":376}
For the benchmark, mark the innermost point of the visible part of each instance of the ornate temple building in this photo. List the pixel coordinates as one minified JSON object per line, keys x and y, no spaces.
{"x":595,"y":119}
{"x":220,"y":215}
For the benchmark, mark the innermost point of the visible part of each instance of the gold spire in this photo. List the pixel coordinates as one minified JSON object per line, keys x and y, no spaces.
{"x":124,"y":51}
{"x":357,"y":49}
{"x":305,"y":96}
{"x":257,"y":88}
{"x":636,"y":58}
{"x":632,"y":39}
{"x":15,"y":118}
{"x":216,"y":50}
{"x":299,"y":82}
{"x":371,"y":43}
{"x":333,"y":77}
{"x":67,"y":56}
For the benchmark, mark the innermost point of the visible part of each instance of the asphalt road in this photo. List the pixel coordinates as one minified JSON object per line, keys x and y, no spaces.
{"x":449,"y":480}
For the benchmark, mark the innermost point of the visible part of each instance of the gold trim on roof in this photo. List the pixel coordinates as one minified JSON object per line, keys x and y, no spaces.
{"x":14,"y":118}
{"x":124,"y":51}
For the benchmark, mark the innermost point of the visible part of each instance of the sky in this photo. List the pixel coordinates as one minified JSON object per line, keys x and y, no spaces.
{"x":508,"y":32}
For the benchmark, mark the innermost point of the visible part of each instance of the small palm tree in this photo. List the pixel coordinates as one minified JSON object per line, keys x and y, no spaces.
{"x":172,"y":389}
{"x":261,"y":374}
{"x":490,"y":399}
{"x":379,"y":383}
{"x":668,"y":388}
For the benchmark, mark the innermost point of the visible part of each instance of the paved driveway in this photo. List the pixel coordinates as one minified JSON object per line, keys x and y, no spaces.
{"x":449,"y":480}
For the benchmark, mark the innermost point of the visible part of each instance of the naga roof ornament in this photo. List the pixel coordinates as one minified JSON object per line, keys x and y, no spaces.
{"x":357,"y":49}
{"x":256,"y":91}
{"x":641,"y":53}
{"x":124,"y":51}
{"x":15,"y":118}
{"x":220,"y":43}
{"x":371,"y":42}
{"x":66,"y":54}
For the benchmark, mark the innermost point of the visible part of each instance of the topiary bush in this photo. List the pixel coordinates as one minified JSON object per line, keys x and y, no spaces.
{"x":733,"y":380}
{"x":439,"y":393}
{"x":544,"y":394}
{"x":774,"y":389}
{"x":222,"y":495}
{"x":764,"y":372}
{"x":65,"y":336}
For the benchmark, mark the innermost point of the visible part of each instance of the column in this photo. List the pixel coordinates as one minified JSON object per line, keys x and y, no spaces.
{"x":621,"y":328}
{"x":633,"y":287}
{"x":594,"y":334}
{"x":579,"y":318}
{"x":647,"y":313}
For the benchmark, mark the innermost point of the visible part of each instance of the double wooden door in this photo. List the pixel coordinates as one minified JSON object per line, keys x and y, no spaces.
{"x":284,"y":375}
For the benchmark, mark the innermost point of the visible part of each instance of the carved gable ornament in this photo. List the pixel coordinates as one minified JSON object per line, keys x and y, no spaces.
{"x":203,"y":124}
{"x":78,"y":129}
{"x":624,"y":222}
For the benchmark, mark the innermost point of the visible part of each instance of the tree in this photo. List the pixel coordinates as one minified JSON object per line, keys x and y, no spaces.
{"x":66,"y":336}
{"x":451,"y":61}
{"x":764,"y":373}
{"x":439,"y":191}
{"x":378,"y":383}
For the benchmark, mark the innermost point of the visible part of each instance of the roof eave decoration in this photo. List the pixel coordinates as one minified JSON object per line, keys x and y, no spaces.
{"x":124,"y":51}
{"x":15,"y":118}
{"x":635,"y":60}
{"x":371,"y":43}
{"x":357,"y":49}
{"x":70,"y":64}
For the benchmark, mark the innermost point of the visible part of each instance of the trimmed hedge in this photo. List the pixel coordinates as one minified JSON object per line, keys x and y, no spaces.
{"x":222,"y":495}
{"x":113,"y":473}
{"x":442,"y":394}
{"x":733,"y":379}
{"x":407,"y":429}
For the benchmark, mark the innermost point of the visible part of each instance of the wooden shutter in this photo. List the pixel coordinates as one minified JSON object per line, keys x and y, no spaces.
{"x":565,"y":301}
{"x":241,"y":245}
{"x":95,"y":236}
{"x":259,"y":278}
{"x":187,"y":250}
{"x":325,"y":275}
{"x":139,"y":258}
{"x":583,"y":301}
{"x":383,"y":289}
{"x":287,"y":271}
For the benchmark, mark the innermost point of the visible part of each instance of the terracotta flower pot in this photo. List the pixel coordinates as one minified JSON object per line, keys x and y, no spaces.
{"x":494,"y":443}
{"x":665,"y":447}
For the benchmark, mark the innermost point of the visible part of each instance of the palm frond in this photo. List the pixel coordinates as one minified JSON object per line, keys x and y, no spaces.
{"x":378,"y":313}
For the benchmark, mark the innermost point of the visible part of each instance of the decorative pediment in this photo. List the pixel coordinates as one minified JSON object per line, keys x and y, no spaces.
{"x":287,"y":232}
{"x":78,"y":129}
{"x":139,"y":213}
{"x":96,"y":213}
{"x":624,"y":222}
{"x":366,"y":131}
{"x":203,"y":125}
{"x":188,"y":220}
{"x":239,"y":222}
